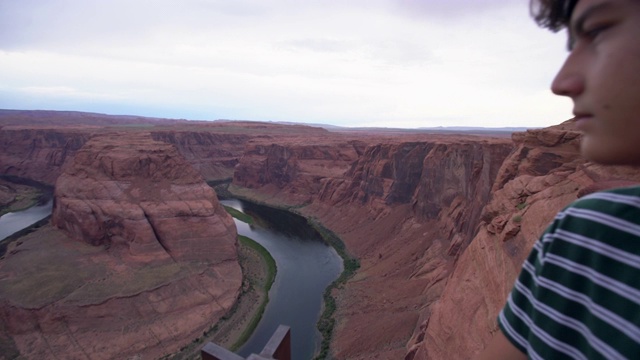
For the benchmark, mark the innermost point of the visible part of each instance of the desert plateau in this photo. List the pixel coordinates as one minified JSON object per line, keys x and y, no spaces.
{"x":139,"y":258}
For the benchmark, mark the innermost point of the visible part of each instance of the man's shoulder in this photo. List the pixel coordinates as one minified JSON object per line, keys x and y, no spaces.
{"x":611,"y":215}
{"x":610,"y":201}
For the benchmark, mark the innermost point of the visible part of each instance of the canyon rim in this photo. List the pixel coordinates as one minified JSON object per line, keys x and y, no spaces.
{"x":440,"y":224}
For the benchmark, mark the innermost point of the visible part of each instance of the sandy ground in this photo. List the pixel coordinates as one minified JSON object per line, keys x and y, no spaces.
{"x":254,"y":277}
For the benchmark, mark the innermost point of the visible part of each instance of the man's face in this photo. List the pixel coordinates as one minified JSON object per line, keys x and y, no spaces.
{"x":602,"y":77}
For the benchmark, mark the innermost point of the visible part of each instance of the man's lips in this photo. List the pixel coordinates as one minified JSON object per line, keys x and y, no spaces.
{"x":581,"y":117}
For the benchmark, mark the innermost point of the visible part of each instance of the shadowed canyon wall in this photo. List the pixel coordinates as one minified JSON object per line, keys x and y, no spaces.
{"x":38,"y":154}
{"x":541,"y":176}
{"x":441,"y":227}
{"x":439,"y":223}
{"x":405,"y":209}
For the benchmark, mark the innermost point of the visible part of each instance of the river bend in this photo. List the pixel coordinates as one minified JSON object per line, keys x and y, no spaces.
{"x":306,"y":266}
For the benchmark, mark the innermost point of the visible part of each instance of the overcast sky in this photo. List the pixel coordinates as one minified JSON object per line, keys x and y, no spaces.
{"x":394,"y":63}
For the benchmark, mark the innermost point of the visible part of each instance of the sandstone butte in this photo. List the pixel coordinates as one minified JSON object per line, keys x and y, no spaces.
{"x":440,"y":223}
{"x":140,"y":259}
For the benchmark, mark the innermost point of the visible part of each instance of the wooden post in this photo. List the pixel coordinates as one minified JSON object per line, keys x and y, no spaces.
{"x":212,"y":351}
{"x":277,"y":348}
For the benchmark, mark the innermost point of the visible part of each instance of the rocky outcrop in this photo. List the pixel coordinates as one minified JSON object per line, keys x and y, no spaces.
{"x":38,"y":154}
{"x":543,"y":175}
{"x":439,"y":223}
{"x":440,"y":226}
{"x":141,"y":258}
{"x":419,"y":206}
{"x":212,"y":148}
{"x":404,"y":209}
{"x":140,"y":198}
{"x":296,"y":169}
{"x":213,"y":155}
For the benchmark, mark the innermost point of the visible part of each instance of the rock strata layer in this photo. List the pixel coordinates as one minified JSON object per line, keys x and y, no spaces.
{"x":139,"y":198}
{"x":405,"y":209}
{"x":141,"y":259}
{"x":439,"y":223}
{"x":541,"y":176}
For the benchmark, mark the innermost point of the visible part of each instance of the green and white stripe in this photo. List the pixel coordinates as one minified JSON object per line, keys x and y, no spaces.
{"x":578,"y":295}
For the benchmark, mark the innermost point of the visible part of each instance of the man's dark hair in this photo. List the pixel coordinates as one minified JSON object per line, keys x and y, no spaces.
{"x":552,"y":14}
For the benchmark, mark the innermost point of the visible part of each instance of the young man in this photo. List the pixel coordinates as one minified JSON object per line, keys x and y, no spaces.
{"x":578,"y":294}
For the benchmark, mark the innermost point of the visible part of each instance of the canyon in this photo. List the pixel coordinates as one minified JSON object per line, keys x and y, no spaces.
{"x":440,"y":224}
{"x":139,"y":258}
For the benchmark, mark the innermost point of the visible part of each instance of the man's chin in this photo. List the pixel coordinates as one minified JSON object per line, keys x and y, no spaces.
{"x":594,"y":152}
{"x":604,"y":154}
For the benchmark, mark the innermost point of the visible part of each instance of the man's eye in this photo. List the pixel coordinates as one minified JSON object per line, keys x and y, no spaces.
{"x":595,"y":31}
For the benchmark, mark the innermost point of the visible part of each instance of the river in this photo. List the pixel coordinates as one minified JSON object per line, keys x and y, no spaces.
{"x":306,"y":266}
{"x":13,"y":222}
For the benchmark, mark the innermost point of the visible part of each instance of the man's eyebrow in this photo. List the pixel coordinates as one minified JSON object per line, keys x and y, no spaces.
{"x":577,"y":26}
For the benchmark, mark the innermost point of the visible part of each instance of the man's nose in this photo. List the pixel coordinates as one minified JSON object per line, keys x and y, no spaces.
{"x":569,"y":81}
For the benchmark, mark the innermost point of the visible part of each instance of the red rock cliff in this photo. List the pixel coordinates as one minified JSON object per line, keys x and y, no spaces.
{"x":543,"y":175}
{"x":405,"y":209}
{"x":295,"y":168}
{"x":440,"y":225}
{"x":145,"y":262}
{"x":213,"y":149}
{"x":141,"y":198}
{"x":38,"y":154}
{"x":213,"y":155}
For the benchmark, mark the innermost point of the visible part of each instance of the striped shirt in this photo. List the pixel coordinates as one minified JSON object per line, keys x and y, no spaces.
{"x":578,"y":294}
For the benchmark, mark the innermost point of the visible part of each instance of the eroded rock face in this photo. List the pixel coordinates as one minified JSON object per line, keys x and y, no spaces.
{"x":440,"y":224}
{"x":543,"y":175}
{"x":420,"y":202}
{"x":212,"y":148}
{"x":298,"y":168}
{"x":38,"y":154}
{"x":140,"y":198}
{"x":213,"y":155}
{"x":141,"y":258}
{"x":405,"y":209}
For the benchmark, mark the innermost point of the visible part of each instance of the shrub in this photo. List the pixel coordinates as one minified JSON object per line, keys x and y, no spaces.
{"x":239,"y":215}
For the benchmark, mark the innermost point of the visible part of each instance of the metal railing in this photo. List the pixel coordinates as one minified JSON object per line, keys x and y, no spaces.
{"x":278,"y":347}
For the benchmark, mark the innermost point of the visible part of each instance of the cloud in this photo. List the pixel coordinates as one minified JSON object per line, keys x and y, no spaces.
{"x":451,"y":10}
{"x":314,"y":60}
{"x":49,"y":90}
{"x":319,"y":45}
